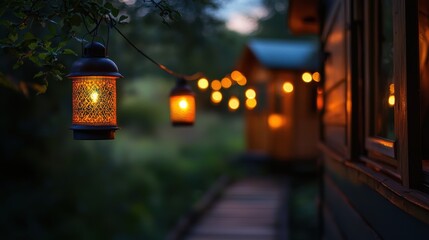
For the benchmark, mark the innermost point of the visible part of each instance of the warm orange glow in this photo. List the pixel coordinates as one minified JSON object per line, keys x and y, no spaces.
{"x":216,"y":85}
{"x":391,"y":100}
{"x":203,"y":83}
{"x":233,"y":103}
{"x":275,"y":121}
{"x":250,"y":93}
{"x":242,"y":81}
{"x":306,"y":77}
{"x":392,"y":89}
{"x":94,"y":101}
{"x":287,"y":87}
{"x":182,"y":109}
{"x":319,"y":100}
{"x":316,"y":76}
{"x":226,"y":82}
{"x":251,"y":103}
{"x":236,"y":75}
{"x":216,"y":97}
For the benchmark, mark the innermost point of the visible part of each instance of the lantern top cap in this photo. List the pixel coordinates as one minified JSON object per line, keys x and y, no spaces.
{"x":94,"y":49}
{"x":94,"y":63}
{"x":181,"y":88}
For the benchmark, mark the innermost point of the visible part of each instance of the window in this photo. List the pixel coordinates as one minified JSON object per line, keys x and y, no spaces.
{"x":380,"y":87}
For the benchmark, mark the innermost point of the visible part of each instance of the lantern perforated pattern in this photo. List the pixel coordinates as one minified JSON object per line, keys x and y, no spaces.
{"x":94,"y":101}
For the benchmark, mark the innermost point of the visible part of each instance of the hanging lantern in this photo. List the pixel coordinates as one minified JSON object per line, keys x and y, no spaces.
{"x":94,"y":94}
{"x":182,"y":104}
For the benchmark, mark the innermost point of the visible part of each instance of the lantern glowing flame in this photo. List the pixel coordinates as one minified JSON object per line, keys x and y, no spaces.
{"x":94,"y":94}
{"x":182,"y":105}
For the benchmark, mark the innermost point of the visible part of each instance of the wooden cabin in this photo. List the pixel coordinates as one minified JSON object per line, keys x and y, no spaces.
{"x":283,"y":125}
{"x":374,"y":125}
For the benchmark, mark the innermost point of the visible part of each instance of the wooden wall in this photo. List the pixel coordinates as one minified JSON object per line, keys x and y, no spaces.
{"x":297,"y":138}
{"x":352,"y":208}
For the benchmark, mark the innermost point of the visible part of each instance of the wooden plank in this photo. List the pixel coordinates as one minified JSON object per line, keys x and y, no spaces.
{"x":248,"y":209}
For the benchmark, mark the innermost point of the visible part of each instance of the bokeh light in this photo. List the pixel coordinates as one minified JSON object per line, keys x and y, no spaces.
{"x":316,"y":76}
{"x":216,"y":85}
{"x":251,"y":103}
{"x":236,"y":75}
{"x":203,"y":83}
{"x":306,"y":77}
{"x":233,"y":103}
{"x":216,"y":97}
{"x":287,"y":87}
{"x":275,"y":121}
{"x":242,"y":81}
{"x":250,"y":93}
{"x":226,"y":82}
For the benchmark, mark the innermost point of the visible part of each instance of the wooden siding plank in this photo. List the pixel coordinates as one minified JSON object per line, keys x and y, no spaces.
{"x":352,"y":225}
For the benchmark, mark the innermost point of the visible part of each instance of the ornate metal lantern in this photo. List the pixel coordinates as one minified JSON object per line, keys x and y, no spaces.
{"x":94,"y":94}
{"x":182,"y":104}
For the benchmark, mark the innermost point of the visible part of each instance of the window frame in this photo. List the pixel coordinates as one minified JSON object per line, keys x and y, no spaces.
{"x":401,"y":158}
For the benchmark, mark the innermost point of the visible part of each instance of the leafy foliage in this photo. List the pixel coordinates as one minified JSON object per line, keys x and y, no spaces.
{"x":38,"y":33}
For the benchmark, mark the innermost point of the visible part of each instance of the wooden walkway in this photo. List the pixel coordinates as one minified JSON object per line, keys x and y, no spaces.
{"x":248,"y":209}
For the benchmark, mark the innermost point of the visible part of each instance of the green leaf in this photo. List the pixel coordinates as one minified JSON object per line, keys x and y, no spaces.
{"x":39,"y":74}
{"x":122,"y":18}
{"x":112,"y":9}
{"x":28,"y":36}
{"x":13,"y":37}
{"x":32,"y":45}
{"x":68,"y":51}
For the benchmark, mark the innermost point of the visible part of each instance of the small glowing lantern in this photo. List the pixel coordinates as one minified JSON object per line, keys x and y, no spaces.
{"x":182,"y":104}
{"x":94,"y":94}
